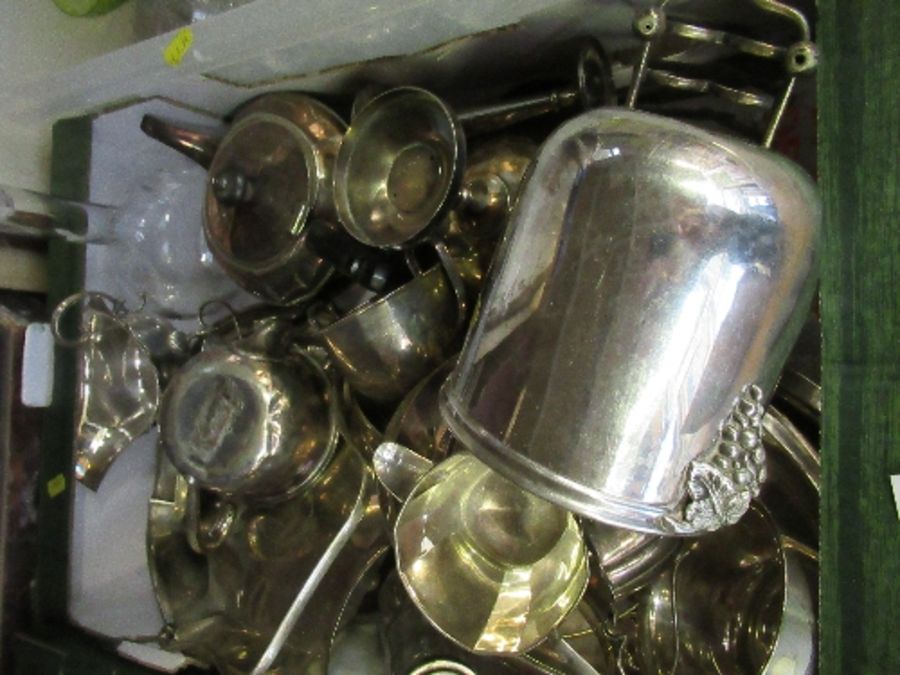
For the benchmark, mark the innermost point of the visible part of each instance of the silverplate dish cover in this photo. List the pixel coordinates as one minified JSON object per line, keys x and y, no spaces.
{"x":649,"y":286}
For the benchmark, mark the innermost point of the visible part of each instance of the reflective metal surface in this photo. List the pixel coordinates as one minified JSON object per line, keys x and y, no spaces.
{"x":244,"y":423}
{"x":399,"y":167}
{"x":399,"y":468}
{"x":799,"y":58}
{"x":491,"y":184}
{"x":384,"y":347}
{"x":626,"y":560}
{"x":796,"y":646}
{"x":169,"y":347}
{"x":415,"y":647}
{"x":492,"y":567}
{"x":360,"y":429}
{"x":800,"y":384}
{"x":642,"y":302}
{"x":592,"y":86}
{"x":285,"y":146}
{"x":739,"y":601}
{"x":791,"y":493}
{"x":420,"y":438}
{"x":224,"y":607}
{"x":117,"y":396}
{"x":653,"y":638}
{"x":313,"y":582}
{"x":267,"y":177}
{"x":417,"y":421}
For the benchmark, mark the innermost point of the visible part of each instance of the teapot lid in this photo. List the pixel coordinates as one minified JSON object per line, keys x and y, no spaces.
{"x":261,"y":187}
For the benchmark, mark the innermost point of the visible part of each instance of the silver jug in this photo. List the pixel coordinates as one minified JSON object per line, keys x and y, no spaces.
{"x":648,"y":289}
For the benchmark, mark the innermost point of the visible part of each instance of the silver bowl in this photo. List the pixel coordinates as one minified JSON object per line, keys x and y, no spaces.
{"x":399,"y":168}
{"x":384,"y":347}
{"x":492,"y":567}
{"x":741,"y":601}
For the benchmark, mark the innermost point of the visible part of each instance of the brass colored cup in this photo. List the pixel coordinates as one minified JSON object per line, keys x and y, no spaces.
{"x":492,"y":567}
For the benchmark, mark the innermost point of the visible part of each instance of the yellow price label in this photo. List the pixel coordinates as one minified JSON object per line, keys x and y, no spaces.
{"x":56,"y":485}
{"x":178,"y":47}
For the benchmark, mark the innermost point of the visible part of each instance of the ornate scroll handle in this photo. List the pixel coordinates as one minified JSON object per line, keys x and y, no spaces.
{"x":721,"y":487}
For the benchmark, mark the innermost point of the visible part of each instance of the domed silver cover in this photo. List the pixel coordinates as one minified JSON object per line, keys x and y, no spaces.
{"x":650,"y":284}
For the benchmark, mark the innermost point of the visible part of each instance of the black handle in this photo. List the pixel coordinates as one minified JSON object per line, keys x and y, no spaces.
{"x":371,"y":267}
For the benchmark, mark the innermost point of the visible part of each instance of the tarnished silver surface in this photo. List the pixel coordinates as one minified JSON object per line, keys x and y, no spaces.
{"x":267,"y":177}
{"x":800,"y":385}
{"x":247,"y":424}
{"x":314,"y":581}
{"x":417,"y":420}
{"x":798,"y":58}
{"x":384,"y":347}
{"x":700,"y":86}
{"x":491,"y":184}
{"x":625,"y":561}
{"x":169,"y":347}
{"x":225,"y":606}
{"x":118,"y":394}
{"x":399,"y":168}
{"x":359,"y":427}
{"x":732,"y":42}
{"x":791,"y":492}
{"x":416,"y":424}
{"x":739,"y":601}
{"x":285,"y":145}
{"x":592,"y":87}
{"x":650,"y":272}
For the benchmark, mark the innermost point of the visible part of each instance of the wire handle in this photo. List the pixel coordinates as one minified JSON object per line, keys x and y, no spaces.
{"x":800,"y":58}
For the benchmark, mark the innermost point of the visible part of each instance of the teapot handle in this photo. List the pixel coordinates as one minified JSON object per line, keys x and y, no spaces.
{"x":206,"y":532}
{"x":454,"y":276}
{"x":194,"y":144}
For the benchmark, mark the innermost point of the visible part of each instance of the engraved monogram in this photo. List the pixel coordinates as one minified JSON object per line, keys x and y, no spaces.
{"x":216,"y":417}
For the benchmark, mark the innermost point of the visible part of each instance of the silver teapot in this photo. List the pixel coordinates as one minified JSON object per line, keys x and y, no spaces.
{"x":249,"y":419}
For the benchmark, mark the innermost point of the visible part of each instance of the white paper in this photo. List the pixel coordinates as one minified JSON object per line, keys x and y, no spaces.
{"x":37,"y":366}
{"x":895,"y":483}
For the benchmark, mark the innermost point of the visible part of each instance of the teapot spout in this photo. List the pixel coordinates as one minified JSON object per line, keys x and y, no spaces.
{"x":195,"y":144}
